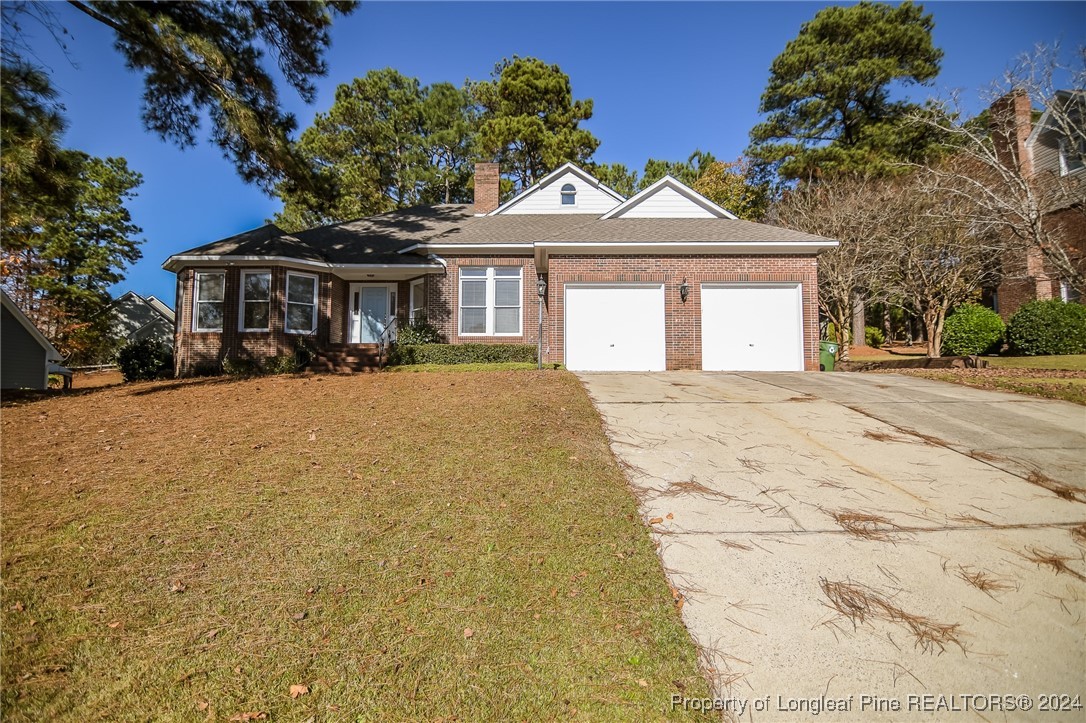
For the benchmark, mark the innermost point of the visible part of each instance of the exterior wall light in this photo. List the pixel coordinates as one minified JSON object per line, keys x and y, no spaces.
{"x":684,"y":291}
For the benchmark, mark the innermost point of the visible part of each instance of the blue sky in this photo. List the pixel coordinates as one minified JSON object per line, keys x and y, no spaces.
{"x":666,"y":78}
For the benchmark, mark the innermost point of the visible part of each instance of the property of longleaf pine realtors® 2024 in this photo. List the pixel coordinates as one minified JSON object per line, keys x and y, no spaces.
{"x":912,"y":703}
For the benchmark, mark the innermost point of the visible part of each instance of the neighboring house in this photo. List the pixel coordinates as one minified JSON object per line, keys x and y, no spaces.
{"x":1044,"y":152}
{"x":663,"y":280}
{"x":25,"y":353}
{"x":134,"y":317}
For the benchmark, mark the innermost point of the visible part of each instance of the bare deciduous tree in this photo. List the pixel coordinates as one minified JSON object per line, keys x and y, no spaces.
{"x":1032,"y":203}
{"x":936,"y":251}
{"x":911,"y":241}
{"x":849,"y":210}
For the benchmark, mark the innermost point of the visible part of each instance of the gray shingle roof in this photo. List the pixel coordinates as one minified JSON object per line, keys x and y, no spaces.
{"x":379,"y":239}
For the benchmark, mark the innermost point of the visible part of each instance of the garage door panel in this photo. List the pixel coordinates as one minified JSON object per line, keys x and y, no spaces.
{"x":752,"y":327}
{"x":611,"y":327}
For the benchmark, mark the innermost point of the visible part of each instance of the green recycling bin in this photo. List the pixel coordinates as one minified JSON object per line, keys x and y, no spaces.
{"x":827,"y":354}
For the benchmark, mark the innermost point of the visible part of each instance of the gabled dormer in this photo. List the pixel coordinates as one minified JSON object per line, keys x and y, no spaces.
{"x":566,"y":190}
{"x":668,"y":198}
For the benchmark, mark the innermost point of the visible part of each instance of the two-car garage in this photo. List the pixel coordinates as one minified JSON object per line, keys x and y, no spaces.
{"x":743,"y":327}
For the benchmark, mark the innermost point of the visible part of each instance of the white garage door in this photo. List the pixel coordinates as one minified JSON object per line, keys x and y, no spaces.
{"x":615,"y":327}
{"x":751,"y":327}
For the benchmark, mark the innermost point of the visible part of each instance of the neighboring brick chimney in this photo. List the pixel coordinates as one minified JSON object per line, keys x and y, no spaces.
{"x":487,"y":187}
{"x":1011,"y":123}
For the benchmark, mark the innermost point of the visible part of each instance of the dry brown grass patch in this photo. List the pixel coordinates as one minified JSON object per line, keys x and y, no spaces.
{"x":859,"y":603}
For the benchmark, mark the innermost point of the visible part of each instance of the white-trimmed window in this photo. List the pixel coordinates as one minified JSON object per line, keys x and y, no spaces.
{"x":417,"y":300}
{"x":1072,"y":156}
{"x":207,"y":306}
{"x":255,"y":300}
{"x":569,"y":195}
{"x":490,"y":301}
{"x":301,"y":303}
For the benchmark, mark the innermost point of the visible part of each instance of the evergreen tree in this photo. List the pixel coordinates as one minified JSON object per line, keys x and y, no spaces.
{"x":828,"y":98}
{"x":530,"y":122}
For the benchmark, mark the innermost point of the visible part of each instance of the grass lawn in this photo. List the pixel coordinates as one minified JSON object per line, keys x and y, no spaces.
{"x":1067,"y":361}
{"x":377,"y":547}
{"x":1070,"y":386}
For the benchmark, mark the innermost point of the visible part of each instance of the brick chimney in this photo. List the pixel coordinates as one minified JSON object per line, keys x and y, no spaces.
{"x":487,"y":187}
{"x":1011,"y":123}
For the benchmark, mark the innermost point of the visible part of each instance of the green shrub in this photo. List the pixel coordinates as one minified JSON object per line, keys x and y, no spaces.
{"x":460,"y":353}
{"x":241,"y":366}
{"x":1048,"y":327}
{"x":873,"y":337}
{"x":282,"y":364}
{"x":145,"y":359}
{"x":419,"y":331}
{"x":972,"y":329}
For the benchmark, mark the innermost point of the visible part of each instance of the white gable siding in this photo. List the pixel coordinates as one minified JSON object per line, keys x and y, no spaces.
{"x":548,"y":199}
{"x":667,"y":203}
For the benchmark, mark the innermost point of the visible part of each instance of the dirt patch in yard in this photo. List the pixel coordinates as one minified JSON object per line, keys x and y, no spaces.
{"x":400,"y":546}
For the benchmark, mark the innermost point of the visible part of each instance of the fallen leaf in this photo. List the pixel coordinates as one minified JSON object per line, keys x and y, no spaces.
{"x":177,"y":586}
{"x":312,"y":436}
{"x":114,"y":625}
{"x":656,"y":520}
{"x":670,"y":516}
{"x":255,"y":715}
{"x":300,"y":616}
{"x":18,"y":607}
{"x":297,"y":691}
{"x":643,"y":683}
{"x":212,"y":633}
{"x":468,"y":632}
{"x":202,"y":705}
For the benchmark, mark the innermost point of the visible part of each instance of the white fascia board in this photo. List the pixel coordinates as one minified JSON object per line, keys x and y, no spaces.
{"x":687,"y":247}
{"x":679,"y":187}
{"x":175,"y":262}
{"x":551,"y":178}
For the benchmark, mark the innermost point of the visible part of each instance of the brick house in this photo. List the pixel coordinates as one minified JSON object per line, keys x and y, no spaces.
{"x":663,"y":280}
{"x":1043,"y":153}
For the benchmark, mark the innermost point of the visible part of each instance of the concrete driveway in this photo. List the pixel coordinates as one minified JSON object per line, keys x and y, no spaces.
{"x":890,"y":547}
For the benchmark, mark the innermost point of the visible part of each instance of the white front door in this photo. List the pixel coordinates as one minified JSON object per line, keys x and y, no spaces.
{"x":370,"y":309}
{"x":615,"y":327}
{"x":751,"y":327}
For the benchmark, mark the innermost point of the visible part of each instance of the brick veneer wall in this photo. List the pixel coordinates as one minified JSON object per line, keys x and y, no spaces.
{"x":1027,"y":276}
{"x":682,"y":331}
{"x":443,"y":301}
{"x":683,"y":321}
{"x":196,"y":352}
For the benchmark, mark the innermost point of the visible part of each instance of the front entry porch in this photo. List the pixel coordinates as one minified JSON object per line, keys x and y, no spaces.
{"x":371,"y":310}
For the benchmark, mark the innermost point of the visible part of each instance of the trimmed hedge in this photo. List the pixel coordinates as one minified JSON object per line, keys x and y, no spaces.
{"x":145,"y":359}
{"x":1048,"y":327}
{"x":972,"y":329}
{"x":402,"y":354}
